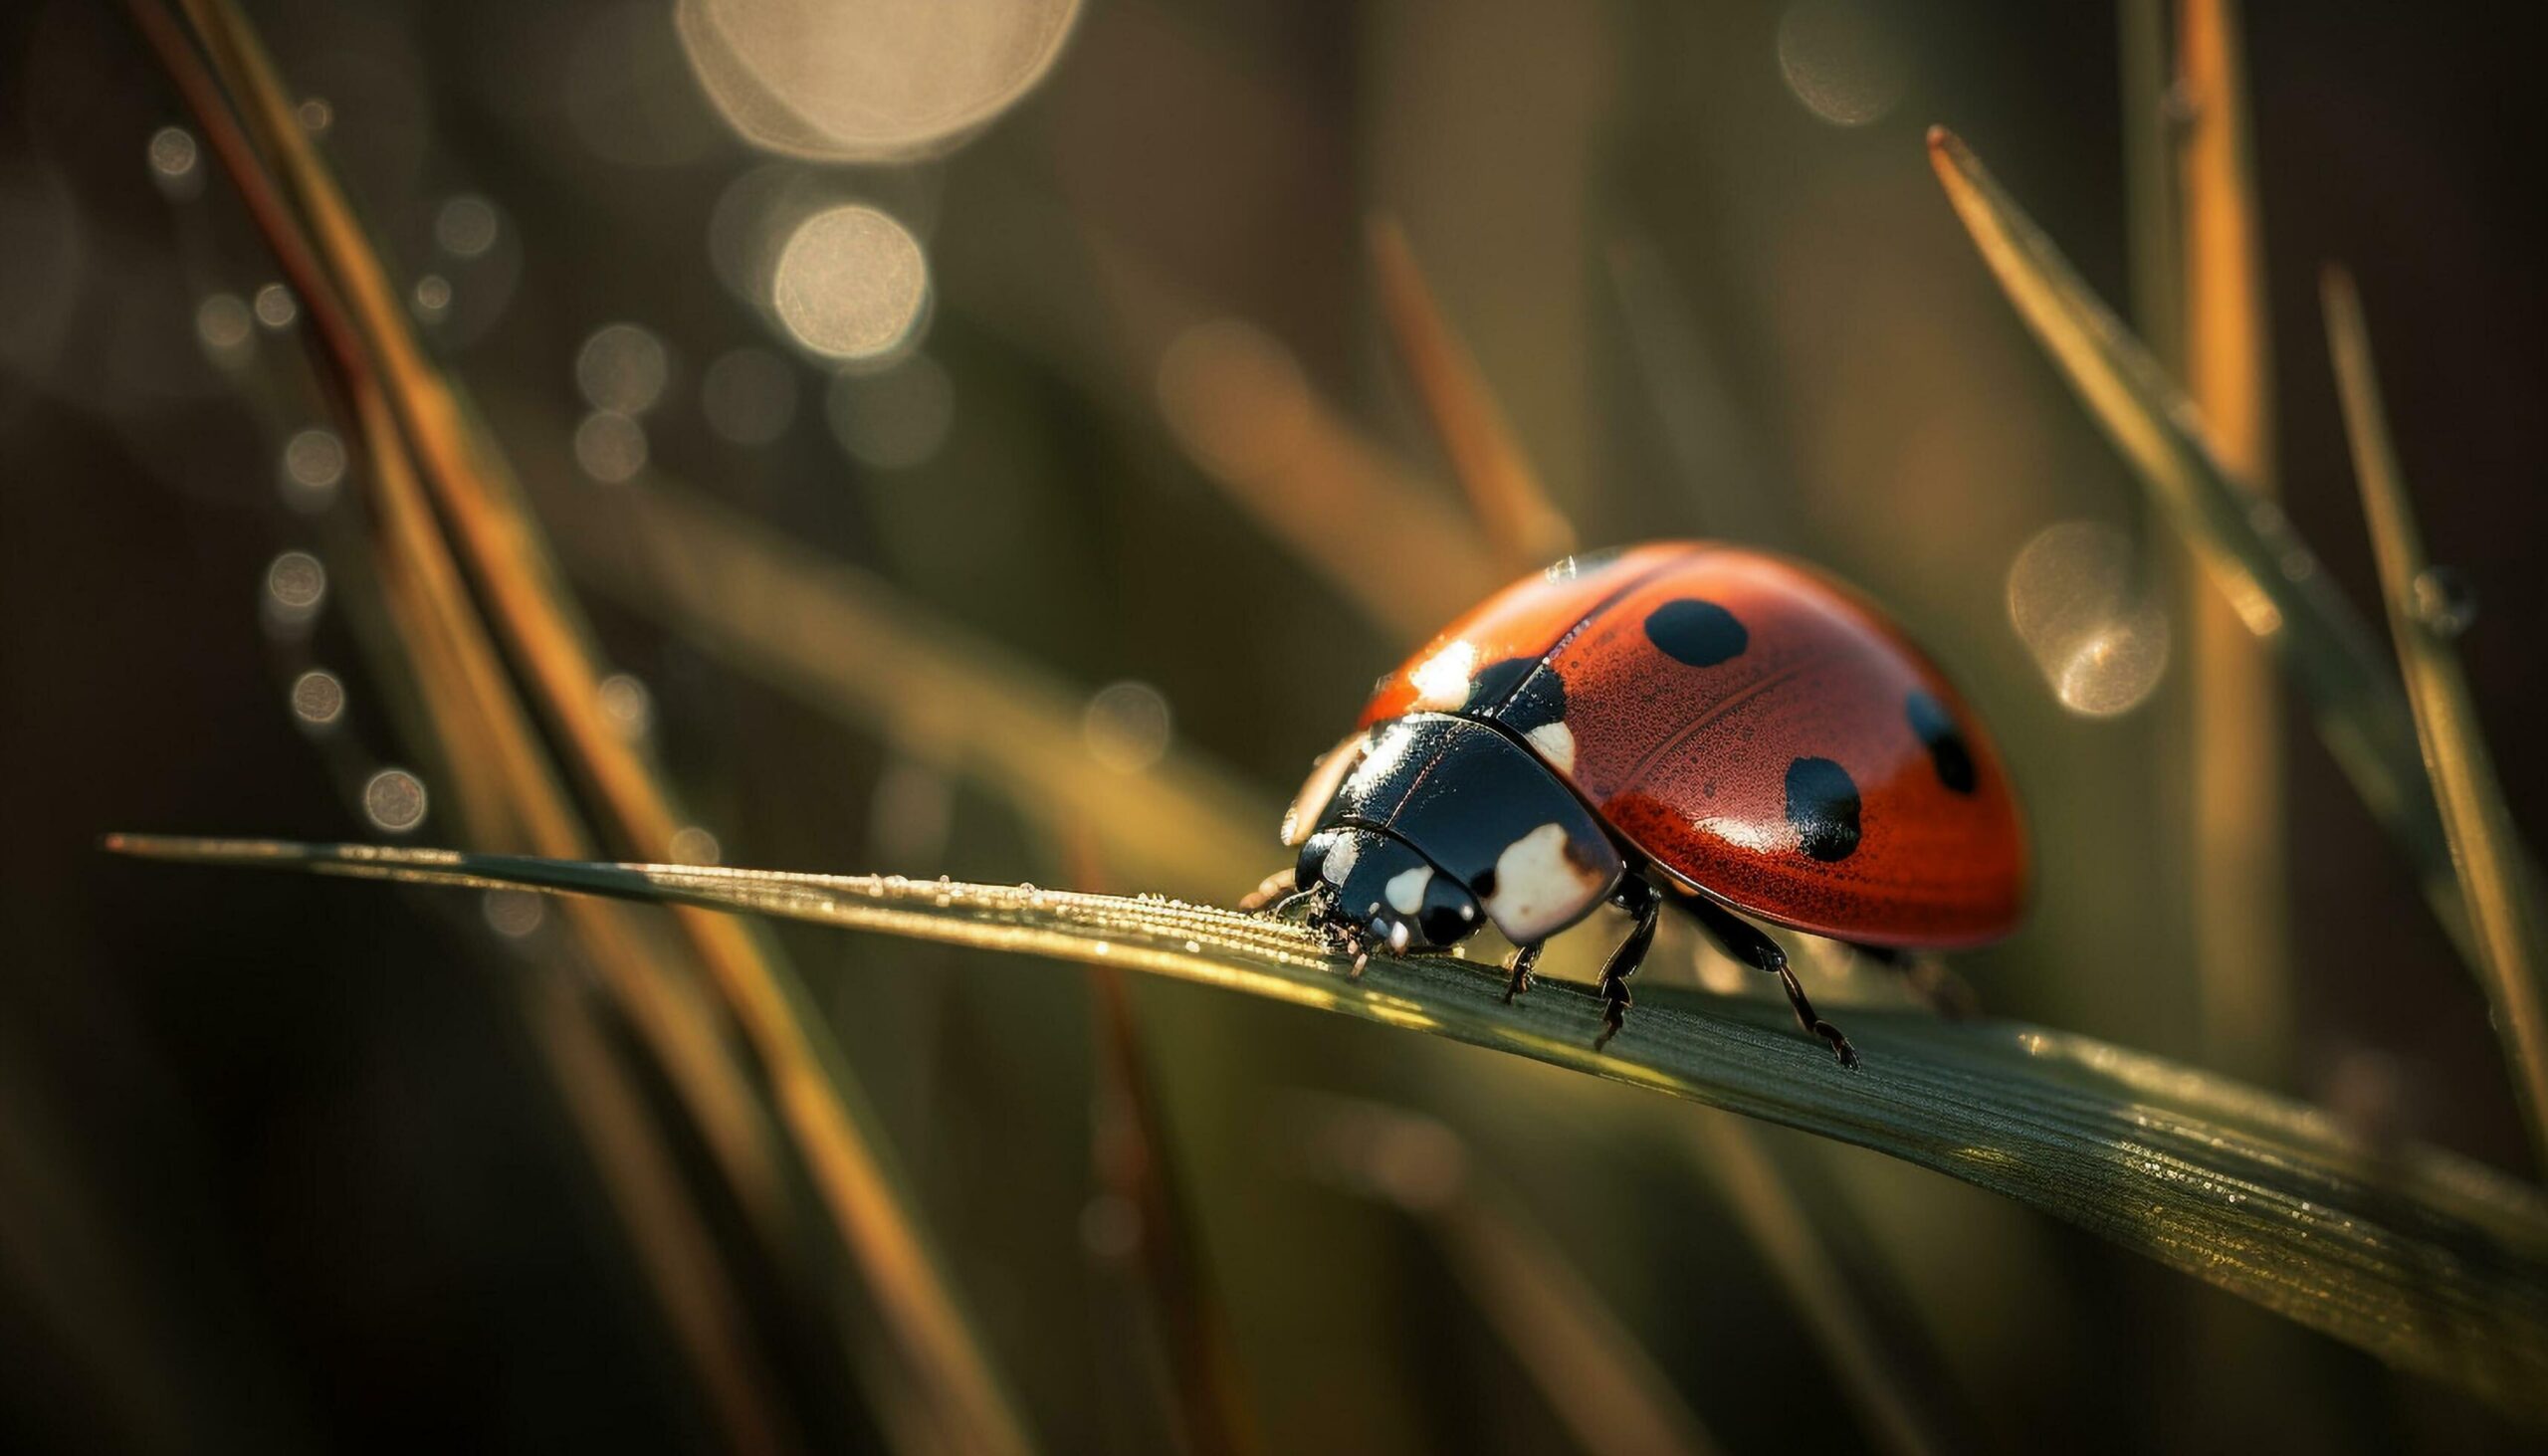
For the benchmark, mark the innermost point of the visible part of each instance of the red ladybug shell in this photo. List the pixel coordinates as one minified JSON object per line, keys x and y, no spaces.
{"x":1759,"y":732}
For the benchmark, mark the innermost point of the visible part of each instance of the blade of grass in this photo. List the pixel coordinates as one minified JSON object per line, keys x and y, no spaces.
{"x":2243,"y":540}
{"x":850,"y":645}
{"x":1758,"y":1194}
{"x":2235,"y":770}
{"x":2149,"y":179}
{"x":1591,"y":1369}
{"x":1504,"y":493}
{"x":2422,"y":1258}
{"x":708,"y":1311}
{"x":1716,"y":449}
{"x":817,"y":1097}
{"x":1132,"y":1152}
{"x":2512,"y":942}
{"x":506,"y":794}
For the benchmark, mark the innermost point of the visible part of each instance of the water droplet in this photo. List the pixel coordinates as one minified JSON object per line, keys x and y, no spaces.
{"x":851,"y":284}
{"x":2445,"y":601}
{"x":627,"y":703}
{"x":465,"y":226}
{"x":296,"y":585}
{"x":693,"y":845}
{"x":315,"y":116}
{"x":1127,"y":726}
{"x":1841,"y":60}
{"x":514,"y":913}
{"x":276,"y":307}
{"x":311,"y":468}
{"x":622,"y":368}
{"x":433,"y":297}
{"x":394,"y":800}
{"x":173,"y":162}
{"x":317,"y":698}
{"x":225,"y":325}
{"x":612,"y":448}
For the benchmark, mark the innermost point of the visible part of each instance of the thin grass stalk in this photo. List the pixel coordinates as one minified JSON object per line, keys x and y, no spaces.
{"x":1510,"y":501}
{"x":504,"y":794}
{"x":1716,"y":449}
{"x":2511,"y":938}
{"x":1872,"y":1379}
{"x":2236,"y":852}
{"x":811,"y":1084}
{"x":2423,"y":1258}
{"x":648,"y":1195}
{"x":1134,"y":1155}
{"x":1589,"y":1367}
{"x":2244,"y":541}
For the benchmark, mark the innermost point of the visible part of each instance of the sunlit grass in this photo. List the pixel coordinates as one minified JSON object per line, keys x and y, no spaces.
{"x":459,"y":519}
{"x":2244,"y":541}
{"x":2412,"y":1254}
{"x":2512,"y":944}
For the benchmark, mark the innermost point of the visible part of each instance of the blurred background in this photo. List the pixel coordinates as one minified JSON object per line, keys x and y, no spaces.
{"x":932,"y":403}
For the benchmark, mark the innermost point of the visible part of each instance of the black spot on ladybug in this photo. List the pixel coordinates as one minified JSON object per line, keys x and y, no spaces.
{"x":1482,"y":884}
{"x":1698,"y":633}
{"x":1822,"y":804}
{"x":1946,"y":752}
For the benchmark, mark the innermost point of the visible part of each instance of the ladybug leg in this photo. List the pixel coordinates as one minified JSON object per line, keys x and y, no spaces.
{"x":1752,"y":946}
{"x":1279,"y":889}
{"x":1523,"y":960}
{"x":1638,"y":899}
{"x":1928,"y":978}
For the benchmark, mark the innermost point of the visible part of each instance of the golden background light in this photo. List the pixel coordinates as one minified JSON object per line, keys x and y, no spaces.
{"x":851,"y":284}
{"x":627,"y":703}
{"x":2097,"y":631}
{"x":868,"y":80}
{"x":894,"y":420}
{"x":749,"y":396}
{"x":1841,"y":60}
{"x":1127,"y":726}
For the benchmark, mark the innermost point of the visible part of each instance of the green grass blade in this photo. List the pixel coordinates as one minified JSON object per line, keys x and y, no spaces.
{"x":2512,"y":945}
{"x":2243,"y":541}
{"x":2420,"y":1257}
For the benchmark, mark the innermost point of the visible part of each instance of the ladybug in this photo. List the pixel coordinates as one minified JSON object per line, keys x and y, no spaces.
{"x":1684,"y":722}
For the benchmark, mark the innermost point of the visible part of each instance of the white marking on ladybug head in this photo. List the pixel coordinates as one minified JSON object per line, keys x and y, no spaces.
{"x":1398,"y":937}
{"x":1441,"y":681}
{"x":1555,"y":743}
{"x":1339,"y":859}
{"x":1539,"y":888}
{"x":1406,"y":889}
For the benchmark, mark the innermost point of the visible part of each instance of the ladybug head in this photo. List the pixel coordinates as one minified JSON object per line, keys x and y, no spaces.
{"x":1373,"y":885}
